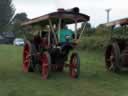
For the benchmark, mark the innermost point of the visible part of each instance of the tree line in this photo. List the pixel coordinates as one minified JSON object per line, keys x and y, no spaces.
{"x":9,"y":21}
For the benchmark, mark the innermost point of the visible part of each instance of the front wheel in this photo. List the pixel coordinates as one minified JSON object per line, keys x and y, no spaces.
{"x":74,"y":65}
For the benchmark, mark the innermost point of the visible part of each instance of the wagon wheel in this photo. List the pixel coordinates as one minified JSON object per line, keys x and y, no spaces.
{"x":27,"y":57}
{"x":45,"y":65}
{"x":74,"y":65}
{"x":112,"y":58}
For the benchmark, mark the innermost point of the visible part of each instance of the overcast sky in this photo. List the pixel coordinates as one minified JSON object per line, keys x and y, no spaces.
{"x":94,"y":8}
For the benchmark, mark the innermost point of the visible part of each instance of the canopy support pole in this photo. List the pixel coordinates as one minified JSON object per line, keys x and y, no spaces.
{"x":51,"y":26}
{"x":82,"y":31}
{"x":75,"y":29}
{"x":59,"y":28}
{"x":49,"y":34}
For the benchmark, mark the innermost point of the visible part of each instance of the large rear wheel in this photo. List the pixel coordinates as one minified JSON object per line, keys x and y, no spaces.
{"x":112,"y":58}
{"x":45,"y":65}
{"x":27,"y":57}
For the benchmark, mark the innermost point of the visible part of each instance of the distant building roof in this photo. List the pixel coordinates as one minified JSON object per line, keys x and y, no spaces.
{"x":123,"y":21}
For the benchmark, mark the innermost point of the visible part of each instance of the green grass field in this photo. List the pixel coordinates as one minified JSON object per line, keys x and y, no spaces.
{"x":94,"y":79}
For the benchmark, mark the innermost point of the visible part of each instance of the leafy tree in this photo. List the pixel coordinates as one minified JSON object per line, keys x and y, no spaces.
{"x":88,"y":29}
{"x":7,"y":11}
{"x":120,"y":32}
{"x":17,"y":20}
{"x":103,"y":30}
{"x":20,"y":17}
